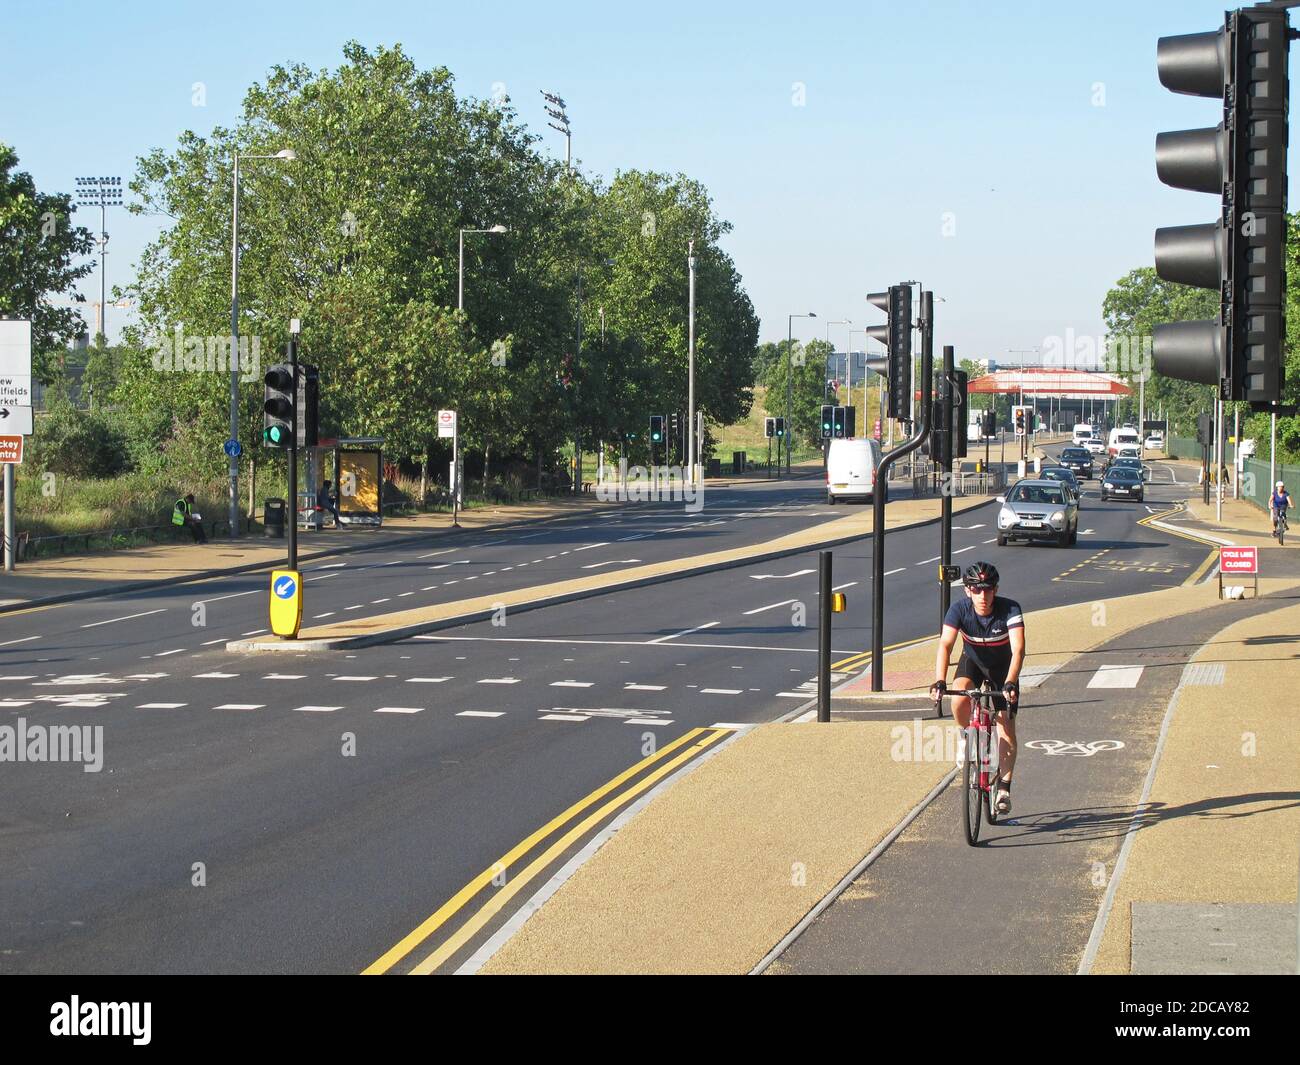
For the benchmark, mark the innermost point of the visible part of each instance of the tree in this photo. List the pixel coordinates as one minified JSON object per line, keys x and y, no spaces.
{"x":37,"y":245}
{"x":808,"y":365}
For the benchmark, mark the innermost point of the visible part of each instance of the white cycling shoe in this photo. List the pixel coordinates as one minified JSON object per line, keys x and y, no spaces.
{"x":1003,"y":799}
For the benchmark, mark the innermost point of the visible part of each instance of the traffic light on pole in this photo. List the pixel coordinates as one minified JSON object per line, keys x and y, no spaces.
{"x":1242,"y":160}
{"x":779,"y":427}
{"x":1020,"y":421}
{"x":838,"y":422}
{"x":278,"y":409}
{"x":960,"y":381}
{"x":896,"y":335}
{"x":828,"y":420}
{"x":656,"y":429}
{"x":769,"y":427}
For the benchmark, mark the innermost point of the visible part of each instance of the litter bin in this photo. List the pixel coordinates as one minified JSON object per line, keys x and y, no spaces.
{"x":737,"y":462}
{"x":273,"y":518}
{"x":715,"y":468}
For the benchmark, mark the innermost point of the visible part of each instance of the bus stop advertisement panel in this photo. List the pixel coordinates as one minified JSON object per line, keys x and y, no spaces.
{"x":359,"y":465}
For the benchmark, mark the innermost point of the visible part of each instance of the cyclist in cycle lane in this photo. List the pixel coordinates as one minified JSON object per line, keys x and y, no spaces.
{"x":992,"y":629}
{"x":1279,"y":503}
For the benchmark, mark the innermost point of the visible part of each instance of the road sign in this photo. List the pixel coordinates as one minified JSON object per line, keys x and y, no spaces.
{"x":16,"y":421}
{"x":286,"y":602}
{"x":1239,"y":560}
{"x":232,"y":448}
{"x":15,"y":349}
{"x":16,"y":390}
{"x":446,"y":423}
{"x":11,"y":449}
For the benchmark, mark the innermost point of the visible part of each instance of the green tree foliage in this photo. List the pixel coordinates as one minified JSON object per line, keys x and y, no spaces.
{"x":79,"y":443}
{"x":38,"y":243}
{"x":806,"y":368}
{"x":358,"y":237}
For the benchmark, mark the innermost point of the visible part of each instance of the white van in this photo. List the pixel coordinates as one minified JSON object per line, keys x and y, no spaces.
{"x":851,"y":470}
{"x":1125,"y":436}
{"x":1082,"y":435}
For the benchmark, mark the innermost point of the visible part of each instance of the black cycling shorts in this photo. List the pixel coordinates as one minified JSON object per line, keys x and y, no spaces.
{"x":976,"y":674}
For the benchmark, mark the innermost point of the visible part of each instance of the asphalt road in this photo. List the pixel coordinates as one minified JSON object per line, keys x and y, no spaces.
{"x":336,"y":801}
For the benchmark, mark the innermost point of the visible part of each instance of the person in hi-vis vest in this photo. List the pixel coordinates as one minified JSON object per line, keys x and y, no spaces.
{"x":183,"y":514}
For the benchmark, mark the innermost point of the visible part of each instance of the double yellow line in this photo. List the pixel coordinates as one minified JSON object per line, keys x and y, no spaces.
{"x":683,"y":750}
{"x":1214,"y":547}
{"x":863,"y":657}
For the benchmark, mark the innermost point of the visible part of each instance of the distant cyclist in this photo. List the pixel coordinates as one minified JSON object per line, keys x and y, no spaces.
{"x":1279,"y":502}
{"x":993,"y":647}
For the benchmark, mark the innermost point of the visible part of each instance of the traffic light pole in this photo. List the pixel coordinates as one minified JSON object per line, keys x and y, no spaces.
{"x":945,"y":484}
{"x":920,"y":431}
{"x":293,"y":461}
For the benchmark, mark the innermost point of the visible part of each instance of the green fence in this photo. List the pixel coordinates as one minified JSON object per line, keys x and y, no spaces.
{"x":1256,"y":480}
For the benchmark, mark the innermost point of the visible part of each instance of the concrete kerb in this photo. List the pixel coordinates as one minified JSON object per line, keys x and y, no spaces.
{"x":349,"y":643}
{"x":253,"y":567}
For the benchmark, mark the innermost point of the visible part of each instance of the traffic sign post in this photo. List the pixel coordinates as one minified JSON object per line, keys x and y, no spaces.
{"x":447,"y":426}
{"x":15,"y":397}
{"x":15,"y":420}
{"x":286,"y":602}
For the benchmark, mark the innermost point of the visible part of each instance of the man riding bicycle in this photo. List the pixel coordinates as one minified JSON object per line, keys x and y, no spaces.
{"x":1279,"y":502}
{"x":993,"y":647}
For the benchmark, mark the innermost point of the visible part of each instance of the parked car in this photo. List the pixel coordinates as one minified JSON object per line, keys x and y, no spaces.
{"x":851,"y":470}
{"x":1078,"y":459}
{"x":1121,"y":483}
{"x":1038,"y":509}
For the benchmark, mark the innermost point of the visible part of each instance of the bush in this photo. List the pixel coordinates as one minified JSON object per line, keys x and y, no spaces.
{"x":79,"y":443}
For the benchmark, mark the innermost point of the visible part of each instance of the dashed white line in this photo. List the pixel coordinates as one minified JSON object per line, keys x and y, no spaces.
{"x":160,"y":706}
{"x":316,"y":709}
{"x":564,"y":717}
{"x":214,"y":676}
{"x":239,"y":706}
{"x":643,"y":687}
{"x":571,"y":684}
{"x":685,"y":632}
{"x":772,"y":606}
{"x":426,"y":680}
{"x":721,"y":691}
{"x":129,"y":617}
{"x":355,"y":678}
{"x":499,"y":680}
{"x":399,"y":710}
{"x":481,"y":713}
{"x":174,"y":651}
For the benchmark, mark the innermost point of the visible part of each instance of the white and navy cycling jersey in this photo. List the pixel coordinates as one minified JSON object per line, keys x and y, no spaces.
{"x":986,"y":640}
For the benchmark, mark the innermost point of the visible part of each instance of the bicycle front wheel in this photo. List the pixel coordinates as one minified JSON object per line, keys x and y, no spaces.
{"x":972,"y":797}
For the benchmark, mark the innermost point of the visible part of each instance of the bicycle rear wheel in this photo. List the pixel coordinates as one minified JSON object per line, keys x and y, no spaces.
{"x":972,"y":798}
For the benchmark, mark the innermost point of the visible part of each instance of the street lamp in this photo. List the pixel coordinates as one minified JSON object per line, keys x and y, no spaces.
{"x":101,"y":192}
{"x":460,"y":284}
{"x":286,"y":155}
{"x":789,"y":379}
{"x":560,"y":122}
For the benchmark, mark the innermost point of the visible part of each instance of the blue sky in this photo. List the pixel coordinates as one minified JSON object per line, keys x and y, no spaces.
{"x":1027,"y":129}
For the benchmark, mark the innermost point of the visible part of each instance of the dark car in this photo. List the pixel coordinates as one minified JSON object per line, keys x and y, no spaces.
{"x":1121,"y":483}
{"x":1079,"y":460}
{"x":1064,"y":475}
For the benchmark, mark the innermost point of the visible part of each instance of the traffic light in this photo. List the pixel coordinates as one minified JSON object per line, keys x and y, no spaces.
{"x":990,"y":423}
{"x":897,"y":337}
{"x":769,"y":427}
{"x":828,"y":420}
{"x":778,"y":427}
{"x":278,"y":419}
{"x":656,"y":429}
{"x":1242,"y":160}
{"x":1204,"y":431}
{"x":307,"y":405}
{"x":1020,"y":421}
{"x":850,"y":421}
{"x":837,"y":421}
{"x":960,"y":380}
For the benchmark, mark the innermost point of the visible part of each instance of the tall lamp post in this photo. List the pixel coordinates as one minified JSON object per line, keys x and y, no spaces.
{"x":460,"y":275}
{"x":101,"y":192}
{"x":789,"y":380}
{"x":288,"y":155}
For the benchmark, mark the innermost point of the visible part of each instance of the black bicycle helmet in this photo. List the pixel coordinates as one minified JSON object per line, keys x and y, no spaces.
{"x":981,"y":575}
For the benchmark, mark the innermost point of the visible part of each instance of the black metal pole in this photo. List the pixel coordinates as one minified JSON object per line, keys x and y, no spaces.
{"x":824,"y":636}
{"x":945,"y":536}
{"x":921,"y":430}
{"x":293,"y":456}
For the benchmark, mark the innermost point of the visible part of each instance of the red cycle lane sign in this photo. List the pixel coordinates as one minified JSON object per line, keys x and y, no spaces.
{"x":1239,"y":560}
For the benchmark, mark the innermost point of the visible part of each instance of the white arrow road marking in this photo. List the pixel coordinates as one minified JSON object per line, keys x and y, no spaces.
{"x":611,"y":562}
{"x":687,"y":632}
{"x":779,"y":576}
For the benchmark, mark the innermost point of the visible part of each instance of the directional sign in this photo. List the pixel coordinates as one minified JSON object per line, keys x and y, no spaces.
{"x":232,"y":448}
{"x":16,"y":390}
{"x":11,"y":449}
{"x":15,"y":349}
{"x":286,"y":602}
{"x":446,"y":423}
{"x":16,"y":421}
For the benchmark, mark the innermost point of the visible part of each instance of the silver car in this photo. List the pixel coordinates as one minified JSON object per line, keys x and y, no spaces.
{"x":1038,"y":510}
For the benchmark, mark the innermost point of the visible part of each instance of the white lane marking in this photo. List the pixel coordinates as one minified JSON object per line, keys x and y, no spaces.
{"x":232,"y":595}
{"x":321,"y":577}
{"x":13,"y":704}
{"x":357,"y":607}
{"x":1033,"y":676}
{"x":571,"y":684}
{"x":316,"y":709}
{"x":778,"y":576}
{"x":1087,"y":532}
{"x":1116,"y":677}
{"x":891,"y":572}
{"x":327,"y":614}
{"x":129,"y":617}
{"x":638,"y":536}
{"x":336,"y":565}
{"x":793,"y":695}
{"x":971,"y":548}
{"x":648,"y":721}
{"x":174,"y":651}
{"x":161,"y":706}
{"x":838,"y":587}
{"x":643,"y":687}
{"x":239,"y":706}
{"x":285,"y":676}
{"x":927,"y":561}
{"x":426,"y":680}
{"x":773,"y":606}
{"x":395,"y":562}
{"x":993,"y":541}
{"x":376,"y":602}
{"x":687,"y":632}
{"x":588,"y":547}
{"x":214,"y":676}
{"x":144,"y":676}
{"x":499,"y":680}
{"x":564,"y":717}
{"x":732,"y":725}
{"x":611,"y":562}
{"x":23,"y":640}
{"x":571,"y":642}
{"x":399,"y":710}
{"x":481,"y":713}
{"x":721,"y":691}
{"x":403,"y":595}
{"x":209,"y":643}
{"x":450,"y":583}
{"x":429,"y":588}
{"x":967,"y":528}
{"x":444,"y":551}
{"x":350,"y":677}
{"x":19,"y":676}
